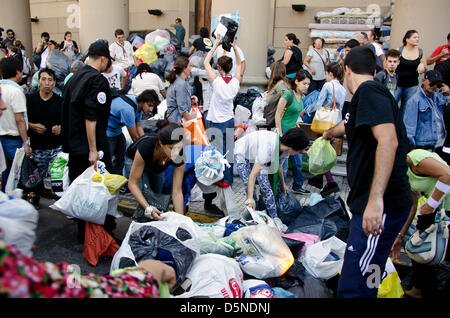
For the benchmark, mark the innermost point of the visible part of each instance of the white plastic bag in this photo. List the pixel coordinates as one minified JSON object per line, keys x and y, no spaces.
{"x":252,"y":217}
{"x":16,"y":167}
{"x":18,"y":223}
{"x":85,"y":199}
{"x":258,"y":110}
{"x":324,"y":259}
{"x":228,"y":203}
{"x":261,"y":251}
{"x":172,"y":221}
{"x":214,"y":276}
{"x":254,"y":288}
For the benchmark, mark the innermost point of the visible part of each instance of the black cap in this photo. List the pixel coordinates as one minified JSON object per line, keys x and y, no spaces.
{"x":434,"y":76}
{"x":99,"y":48}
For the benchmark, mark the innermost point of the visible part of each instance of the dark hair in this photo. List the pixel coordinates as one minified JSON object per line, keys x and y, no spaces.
{"x":300,"y":76}
{"x":66,"y":34}
{"x":393,"y":53}
{"x":49,"y":71}
{"x":295,"y":138}
{"x":448,"y":37}
{"x":54,"y":43}
{"x":352,"y":43}
{"x":337,"y":71}
{"x":165,"y":131}
{"x":179,"y":66}
{"x":9,"y":66}
{"x":277,"y":73}
{"x":178,"y":20}
{"x":45,"y":35}
{"x":11,"y":30}
{"x":226,"y":63}
{"x":118,"y":32}
{"x":321,"y":39}
{"x":408,"y":34}
{"x":293,"y":37}
{"x":149,"y":95}
{"x":143,"y":68}
{"x":361,"y":60}
{"x":204,"y":32}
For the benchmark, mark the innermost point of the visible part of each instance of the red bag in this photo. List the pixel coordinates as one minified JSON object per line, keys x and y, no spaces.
{"x":97,"y":243}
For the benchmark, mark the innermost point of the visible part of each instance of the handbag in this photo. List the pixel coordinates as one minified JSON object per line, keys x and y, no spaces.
{"x":430,"y":246}
{"x":326,"y":117}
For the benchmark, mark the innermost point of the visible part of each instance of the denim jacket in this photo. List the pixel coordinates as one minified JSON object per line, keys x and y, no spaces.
{"x":326,"y":97}
{"x":420,"y":119}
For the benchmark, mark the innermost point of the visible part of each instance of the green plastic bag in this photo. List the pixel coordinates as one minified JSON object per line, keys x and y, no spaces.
{"x":322,"y":156}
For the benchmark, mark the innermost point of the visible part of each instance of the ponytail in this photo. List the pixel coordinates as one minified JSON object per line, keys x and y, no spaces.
{"x":293,"y":37}
{"x":179,"y":66}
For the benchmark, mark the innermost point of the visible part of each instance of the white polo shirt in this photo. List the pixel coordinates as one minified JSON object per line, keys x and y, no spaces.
{"x":123,"y":55}
{"x":16,"y":102}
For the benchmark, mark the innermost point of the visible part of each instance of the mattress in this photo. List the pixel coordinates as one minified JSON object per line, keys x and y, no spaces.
{"x":341,"y":27}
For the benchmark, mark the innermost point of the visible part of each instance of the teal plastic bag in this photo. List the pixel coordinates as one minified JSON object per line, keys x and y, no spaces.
{"x":322,"y":156}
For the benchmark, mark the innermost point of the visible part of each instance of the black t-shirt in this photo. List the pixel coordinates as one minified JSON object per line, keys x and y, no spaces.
{"x":296,"y":61}
{"x":146,"y":149}
{"x":86,"y":96}
{"x":203,"y":44}
{"x":372,"y":105}
{"x":47,"y":113}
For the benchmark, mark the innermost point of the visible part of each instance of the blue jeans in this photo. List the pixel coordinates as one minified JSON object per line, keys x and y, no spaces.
{"x":10,"y":145}
{"x":297,"y":166}
{"x":402,"y":95}
{"x":220,"y":142}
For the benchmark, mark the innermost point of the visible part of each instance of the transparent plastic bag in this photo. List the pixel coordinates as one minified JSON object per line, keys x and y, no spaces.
{"x":322,"y":156}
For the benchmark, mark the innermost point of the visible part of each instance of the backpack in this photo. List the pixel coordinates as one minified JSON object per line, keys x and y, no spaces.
{"x":271,"y":108}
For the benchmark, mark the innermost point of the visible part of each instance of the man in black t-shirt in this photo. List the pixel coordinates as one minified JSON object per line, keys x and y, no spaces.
{"x":85,"y":114}
{"x":380,"y":195}
{"x":44,"y":122}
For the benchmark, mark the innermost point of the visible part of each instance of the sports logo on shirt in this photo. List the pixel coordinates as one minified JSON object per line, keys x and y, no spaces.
{"x":101,"y":97}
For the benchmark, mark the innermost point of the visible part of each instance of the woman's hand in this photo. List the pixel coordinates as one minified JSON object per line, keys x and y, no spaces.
{"x":426,"y":209}
{"x":162,"y":272}
{"x":396,"y":247}
{"x":313,"y":71}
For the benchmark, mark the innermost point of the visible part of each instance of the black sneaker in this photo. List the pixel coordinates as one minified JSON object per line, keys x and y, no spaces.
{"x":329,"y":188}
{"x":300,"y":191}
{"x":316,"y":182}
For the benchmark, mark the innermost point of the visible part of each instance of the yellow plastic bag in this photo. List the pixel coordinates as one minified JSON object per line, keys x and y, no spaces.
{"x":391,"y":286}
{"x":146,"y":53}
{"x":114,"y":182}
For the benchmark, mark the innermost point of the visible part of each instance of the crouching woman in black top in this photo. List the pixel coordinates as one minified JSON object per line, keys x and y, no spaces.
{"x":152,"y":157}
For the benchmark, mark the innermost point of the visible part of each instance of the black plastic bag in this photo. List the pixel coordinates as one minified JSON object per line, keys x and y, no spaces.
{"x":151,"y":243}
{"x":232,"y":28}
{"x":174,"y":40}
{"x":159,"y":201}
{"x":288,"y":207}
{"x":30,"y":176}
{"x":326,"y":219}
{"x":159,"y":66}
{"x":60,"y":64}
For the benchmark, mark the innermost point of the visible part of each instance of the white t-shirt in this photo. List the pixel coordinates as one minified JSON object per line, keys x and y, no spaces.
{"x":146,"y":81}
{"x":115,"y":77}
{"x":317,"y":62}
{"x":123,"y":55}
{"x":378,"y":48}
{"x":221,"y":52}
{"x":258,"y":147}
{"x":16,"y":102}
{"x":44,"y":57}
{"x":221,"y":107}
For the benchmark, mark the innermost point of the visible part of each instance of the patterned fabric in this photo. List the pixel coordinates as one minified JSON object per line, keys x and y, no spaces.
{"x":244,"y":170}
{"x":44,"y":158}
{"x":24,"y":277}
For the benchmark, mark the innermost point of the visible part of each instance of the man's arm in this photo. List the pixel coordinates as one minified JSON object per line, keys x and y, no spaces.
{"x":22,"y":128}
{"x":387,"y":144}
{"x":133,"y":133}
{"x":336,"y":131}
{"x":90,"y":132}
{"x":140,"y":129}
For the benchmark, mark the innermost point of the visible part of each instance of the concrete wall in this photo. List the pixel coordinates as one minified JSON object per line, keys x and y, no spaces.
{"x":16,"y":15}
{"x":429,"y":18}
{"x":55,"y":17}
{"x":286,"y":20}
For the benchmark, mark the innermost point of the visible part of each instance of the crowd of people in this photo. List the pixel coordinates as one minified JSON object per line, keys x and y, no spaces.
{"x":396,"y":127}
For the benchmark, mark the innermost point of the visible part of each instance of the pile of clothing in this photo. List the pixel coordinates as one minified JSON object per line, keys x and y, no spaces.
{"x":249,"y":256}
